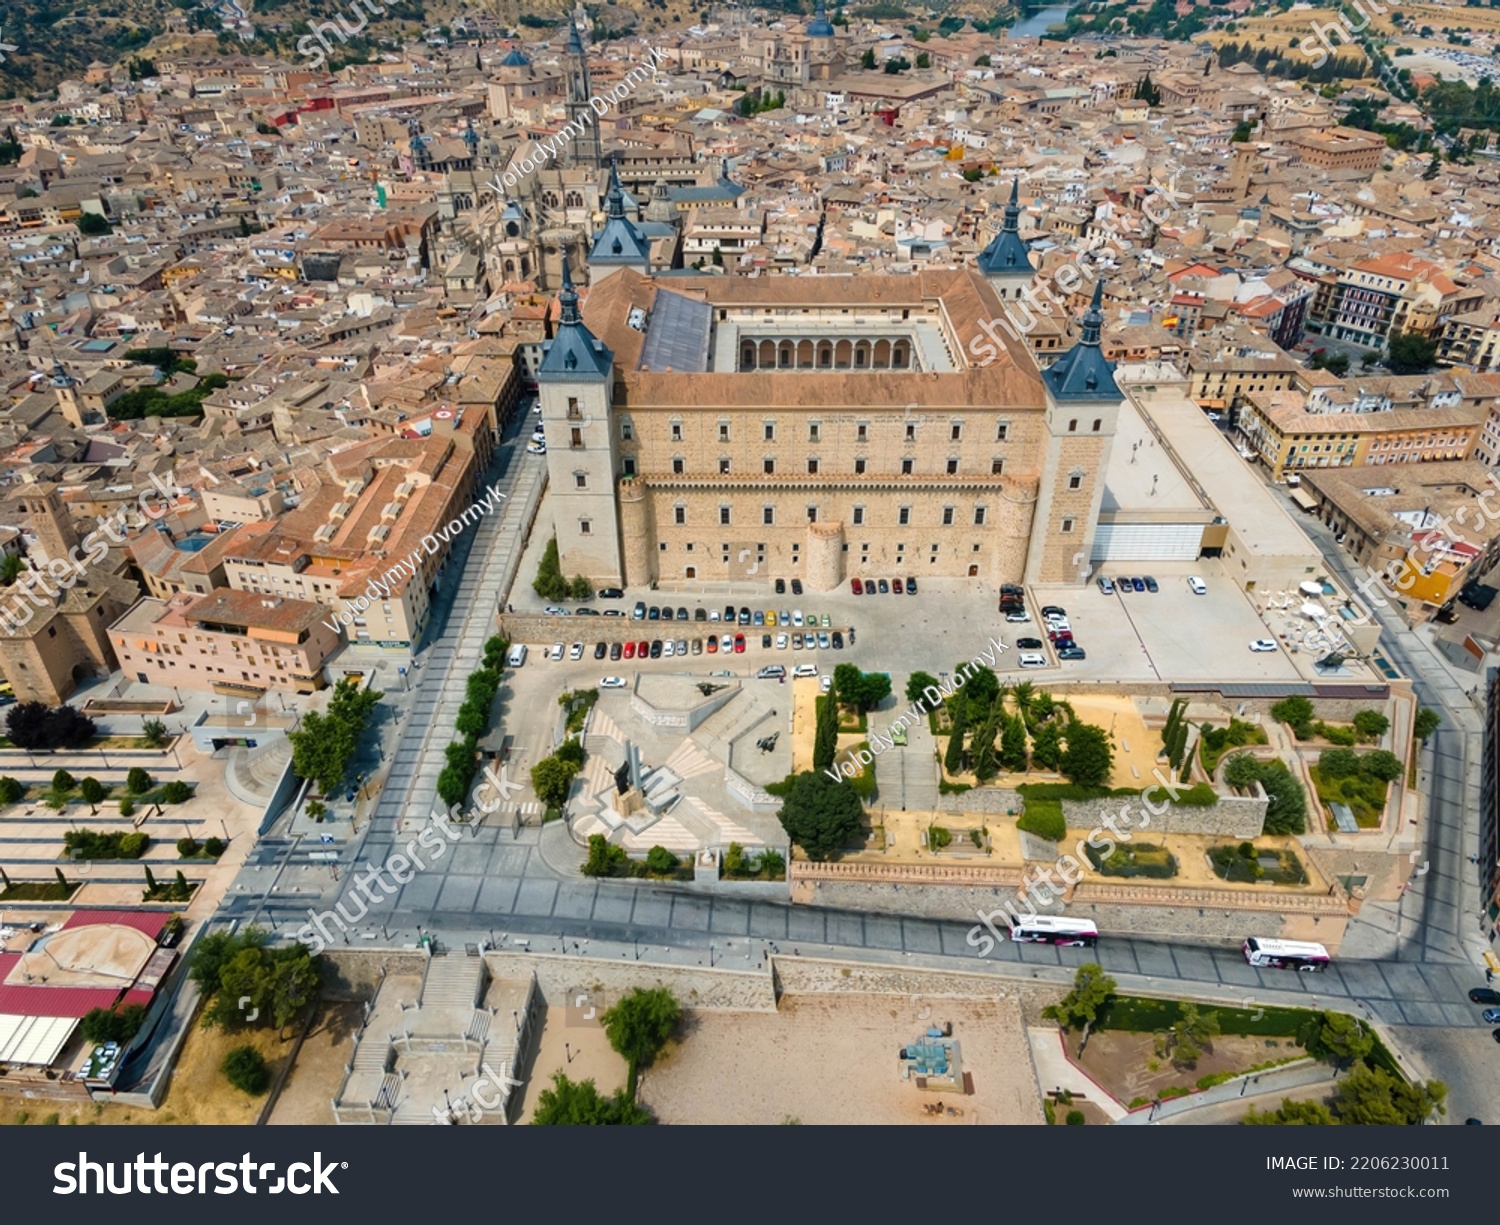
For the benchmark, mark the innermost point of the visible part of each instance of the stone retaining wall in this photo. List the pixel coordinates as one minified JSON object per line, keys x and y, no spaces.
{"x":1237,"y":817}
{"x":818,"y":976}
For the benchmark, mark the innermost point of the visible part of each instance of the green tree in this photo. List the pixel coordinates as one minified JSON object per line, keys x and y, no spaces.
{"x":92,"y":790}
{"x":1046,"y":745}
{"x":137,"y":781}
{"x":176,"y":792}
{"x":1338,"y":763}
{"x":154,"y":732}
{"x":867,"y":60}
{"x":1427,"y":722}
{"x":661,"y":861}
{"x":580,"y":588}
{"x":1410,"y":353}
{"x":1079,"y":1009}
{"x":826,"y":735}
{"x":62,"y":782}
{"x":924,"y":60}
{"x":820,"y":815}
{"x":1287,"y":811}
{"x":11,"y":790}
{"x":982,"y":62}
{"x":1241,"y":769}
{"x":1382,"y":764}
{"x":953,"y":756}
{"x":112,"y":1025}
{"x":549,"y":582}
{"x":1013,"y":744}
{"x":1343,"y":1039}
{"x":1372,"y":1097}
{"x":1193,"y":1030}
{"x":93,"y":224}
{"x":1434,"y":168}
{"x":979,"y":691}
{"x":986,"y":760}
{"x":580,"y":1104}
{"x":847,"y":683}
{"x":1295,"y":711}
{"x":11,"y":566}
{"x":1089,"y":756}
{"x":1292,"y":1114}
{"x":917,"y":683}
{"x":245,"y":1068}
{"x":550,"y":779}
{"x":604,"y":858}
{"x":1370,"y":725}
{"x":640,"y":1025}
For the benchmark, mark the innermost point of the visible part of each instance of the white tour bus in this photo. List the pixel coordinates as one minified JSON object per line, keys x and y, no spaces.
{"x":1285,"y":954}
{"x":1044,"y":929}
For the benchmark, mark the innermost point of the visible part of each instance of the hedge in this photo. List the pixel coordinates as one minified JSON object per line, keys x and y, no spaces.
{"x":1199,"y":795}
{"x":1072,"y":791}
{"x":1044,"y":818}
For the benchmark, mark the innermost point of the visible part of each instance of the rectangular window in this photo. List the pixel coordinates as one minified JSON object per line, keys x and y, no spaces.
{"x":813,"y":430}
{"x":627,"y":465}
{"x":770,"y":428}
{"x":679,"y":515}
{"x":768,"y":515}
{"x":677,"y":431}
{"x":812,"y":514}
{"x":572,"y":406}
{"x":997,"y":466}
{"x":859,"y":467}
{"x":911,"y":431}
{"x":769,"y":467}
{"x":906,"y":467}
{"x":723,"y":467}
{"x":723,"y":431}
{"x":862,"y":432}
{"x":953,"y":467}
{"x":903,"y":516}
{"x":677,"y":467}
{"x":859,"y":516}
{"x":723,"y":516}
{"x":627,"y":432}
{"x":585,"y":528}
{"x":580,"y":480}
{"x":812,"y":467}
{"x":575,"y":437}
{"x":1075,"y":482}
{"x":979,"y":516}
{"x":947,"y":516}
{"x":1001,"y":431}
{"x":956,"y":431}
{"x":1067,"y":525}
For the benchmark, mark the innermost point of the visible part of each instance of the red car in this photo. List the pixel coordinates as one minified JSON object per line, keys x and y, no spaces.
{"x":896,"y":587}
{"x":713,"y":644}
{"x":739,"y":644}
{"x":630,"y":650}
{"x":856,"y":586}
{"x":642,"y":649}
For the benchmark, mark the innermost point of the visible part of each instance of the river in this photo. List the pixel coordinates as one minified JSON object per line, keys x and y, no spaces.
{"x":1035,"y":24}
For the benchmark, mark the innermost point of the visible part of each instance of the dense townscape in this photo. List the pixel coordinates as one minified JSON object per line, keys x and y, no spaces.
{"x":756,"y":518}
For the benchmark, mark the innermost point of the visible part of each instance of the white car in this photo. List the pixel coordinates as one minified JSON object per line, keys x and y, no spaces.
{"x":1263,"y":644}
{"x":1059,"y":623}
{"x":1019,"y":617}
{"x":781,"y":642}
{"x":668,"y":649}
{"x":1198,"y":585}
{"x":576,"y":651}
{"x":1030,"y":659}
{"x":556,"y":652}
{"x":805,"y":670}
{"x":537,"y":408}
{"x":536,"y":448}
{"x":713,"y":614}
{"x":552,"y":610}
{"x":796,"y":616}
{"x":539,"y":438}
{"x":726,"y":643}
{"x":612,"y":682}
{"x":826,"y":683}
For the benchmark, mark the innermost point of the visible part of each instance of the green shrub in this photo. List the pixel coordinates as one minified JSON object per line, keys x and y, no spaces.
{"x":1134,"y":860}
{"x":127,"y":807}
{"x":1297,"y":710}
{"x":1075,"y":1118}
{"x":62,"y":782}
{"x":176,"y":792}
{"x":11,"y":790}
{"x":938,"y":837}
{"x":1371,"y":725}
{"x":661,"y":861}
{"x":1344,"y":736}
{"x":137,"y":782}
{"x":1044,"y":818}
{"x":1199,"y":795}
{"x":245,"y":1068}
{"x":117,"y":844}
{"x":188,"y":847}
{"x":215,"y":847}
{"x":92,"y":790}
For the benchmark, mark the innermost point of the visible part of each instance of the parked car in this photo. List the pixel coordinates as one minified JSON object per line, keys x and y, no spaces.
{"x":612,"y":682}
{"x":712,"y":644}
{"x":700,"y":614}
{"x":682,"y":646}
{"x":682,"y":614}
{"x":823,"y":642}
{"x":697,"y":646}
{"x":601,"y":649}
{"x":1106,"y":585}
{"x":825,"y":621}
{"x":885,"y":587}
{"x":765,"y":642}
{"x":1138,"y":584}
{"x":796,"y":642}
{"x":611,"y":593}
{"x":615,"y":651}
{"x":535,"y":448}
{"x":758,"y":618}
{"x":555,"y":653}
{"x":744,"y":616}
{"x":629,"y":651}
{"x":911,"y":586}
{"x":653,"y":613}
{"x":1028,"y":644}
{"x":870,"y":588}
{"x":656,"y":648}
{"x":739,"y":644}
{"x":1031,"y":660}
{"x":726,"y":643}
{"x":640,"y":610}
{"x":713,"y":615}
{"x":805,"y":670}
{"x":825,"y":683}
{"x":1053,"y":610}
{"x":1071,"y":652}
{"x":781,"y":586}
{"x":838,"y":640}
{"x":642,"y":649}
{"x":612,"y":612}
{"x":771,"y":672}
{"x":897,"y":587}
{"x":1492,"y":1015}
{"x":1263,"y":644}
{"x":1484,"y":995}
{"x":1151,"y":585}
{"x":782,"y":641}
{"x":1018,"y":616}
{"x":668,"y":649}
{"x":771,"y":617}
{"x":796,"y":586}
{"x":856,"y":586}
{"x":796,"y":616}
{"x":1198,"y":586}
{"x":588,"y":612}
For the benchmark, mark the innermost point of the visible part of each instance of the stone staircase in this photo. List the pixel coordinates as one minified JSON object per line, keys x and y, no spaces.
{"x":452,"y":981}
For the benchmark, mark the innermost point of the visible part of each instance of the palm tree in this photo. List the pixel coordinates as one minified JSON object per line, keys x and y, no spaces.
{"x":1025,"y":700}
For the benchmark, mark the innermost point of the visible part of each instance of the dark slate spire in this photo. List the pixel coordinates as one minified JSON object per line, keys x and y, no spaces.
{"x":820,"y":26}
{"x":575,"y":353}
{"x":1007,"y":253}
{"x":1082,"y":373}
{"x":620,"y":241}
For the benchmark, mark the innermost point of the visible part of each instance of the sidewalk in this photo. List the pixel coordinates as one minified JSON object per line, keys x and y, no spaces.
{"x":1054,"y":1070}
{"x":1277,"y":1082}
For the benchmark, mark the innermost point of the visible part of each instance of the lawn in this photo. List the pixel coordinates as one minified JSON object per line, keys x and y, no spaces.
{"x":1364,"y":795}
{"x":37,"y":891}
{"x":1264,"y":867}
{"x":1135,"y":859}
